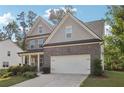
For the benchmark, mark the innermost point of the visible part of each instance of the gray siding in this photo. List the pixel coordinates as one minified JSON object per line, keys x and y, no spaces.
{"x":78,"y":32}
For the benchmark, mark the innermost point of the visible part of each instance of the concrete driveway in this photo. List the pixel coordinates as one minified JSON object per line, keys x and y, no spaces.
{"x":54,"y":80}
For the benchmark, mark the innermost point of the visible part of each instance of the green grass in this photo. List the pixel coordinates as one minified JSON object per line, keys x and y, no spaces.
{"x":11,"y":81}
{"x":111,"y":79}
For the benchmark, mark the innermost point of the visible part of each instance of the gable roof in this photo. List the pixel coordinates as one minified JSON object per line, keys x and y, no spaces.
{"x":75,"y":19}
{"x":38,"y":19}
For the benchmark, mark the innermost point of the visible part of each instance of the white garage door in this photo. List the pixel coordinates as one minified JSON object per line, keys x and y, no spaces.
{"x":73,"y":64}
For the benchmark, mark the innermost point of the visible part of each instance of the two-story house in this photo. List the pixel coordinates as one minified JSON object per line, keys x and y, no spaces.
{"x":69,"y":47}
{"x":9,"y":54}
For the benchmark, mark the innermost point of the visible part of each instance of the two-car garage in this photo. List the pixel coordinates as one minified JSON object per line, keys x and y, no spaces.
{"x":71,"y":64}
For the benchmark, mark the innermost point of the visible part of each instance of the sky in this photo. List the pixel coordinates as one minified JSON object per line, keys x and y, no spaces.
{"x":83,"y":12}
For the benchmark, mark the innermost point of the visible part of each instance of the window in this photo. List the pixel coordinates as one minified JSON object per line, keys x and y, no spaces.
{"x":5,"y":64}
{"x":68,"y":35}
{"x":32,"y":44}
{"x":40,"y":29}
{"x":68,"y":32}
{"x":26,"y":60}
{"x":40,"y":42}
{"x":8,"y":53}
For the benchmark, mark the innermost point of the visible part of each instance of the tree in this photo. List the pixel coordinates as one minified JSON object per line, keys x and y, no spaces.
{"x":115,"y":18}
{"x":30,"y":18}
{"x":10,"y":30}
{"x":56,"y":15}
{"x":114,"y":44}
{"x":2,"y":36}
{"x":26,"y":22}
{"x":21,"y":18}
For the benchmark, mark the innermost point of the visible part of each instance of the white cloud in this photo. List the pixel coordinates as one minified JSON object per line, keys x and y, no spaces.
{"x":107,"y":30}
{"x":47,"y":12}
{"x":74,"y":9}
{"x":6,"y":18}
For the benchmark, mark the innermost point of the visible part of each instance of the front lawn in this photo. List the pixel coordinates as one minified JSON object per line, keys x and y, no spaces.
{"x":111,"y":79}
{"x":16,"y":74}
{"x":5,"y":82}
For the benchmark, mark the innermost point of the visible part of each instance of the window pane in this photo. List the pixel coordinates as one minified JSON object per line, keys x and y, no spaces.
{"x":40,"y":29}
{"x":5,"y":64}
{"x":68,"y":35}
{"x":32,"y":44}
{"x":40,"y":42}
{"x":8,"y":53}
{"x":68,"y":32}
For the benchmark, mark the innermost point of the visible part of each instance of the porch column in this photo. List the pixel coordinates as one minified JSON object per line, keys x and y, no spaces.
{"x":23,"y":59}
{"x":29,"y":59}
{"x":38,"y":62}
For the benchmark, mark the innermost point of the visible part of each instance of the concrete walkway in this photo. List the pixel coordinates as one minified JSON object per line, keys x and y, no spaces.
{"x":53,"y":80}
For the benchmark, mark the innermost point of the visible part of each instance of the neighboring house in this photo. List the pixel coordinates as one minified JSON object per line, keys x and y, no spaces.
{"x":9,"y":54}
{"x":69,"y":47}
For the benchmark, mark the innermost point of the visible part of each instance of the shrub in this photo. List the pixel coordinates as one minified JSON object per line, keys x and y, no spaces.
{"x":26,"y":68}
{"x":14,"y":69}
{"x":29,"y":74}
{"x":18,"y":70}
{"x":46,"y":70}
{"x":97,"y":71}
{"x":19,"y":73}
{"x":122,"y":66}
{"x":8,"y":74}
{"x":107,"y":65}
{"x":33,"y":68}
{"x":2,"y":72}
{"x":114,"y":65}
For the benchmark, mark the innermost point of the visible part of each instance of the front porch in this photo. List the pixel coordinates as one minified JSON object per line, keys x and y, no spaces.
{"x":33,"y":59}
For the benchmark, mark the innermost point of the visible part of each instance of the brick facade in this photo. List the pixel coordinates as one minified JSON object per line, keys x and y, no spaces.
{"x":92,"y":49}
